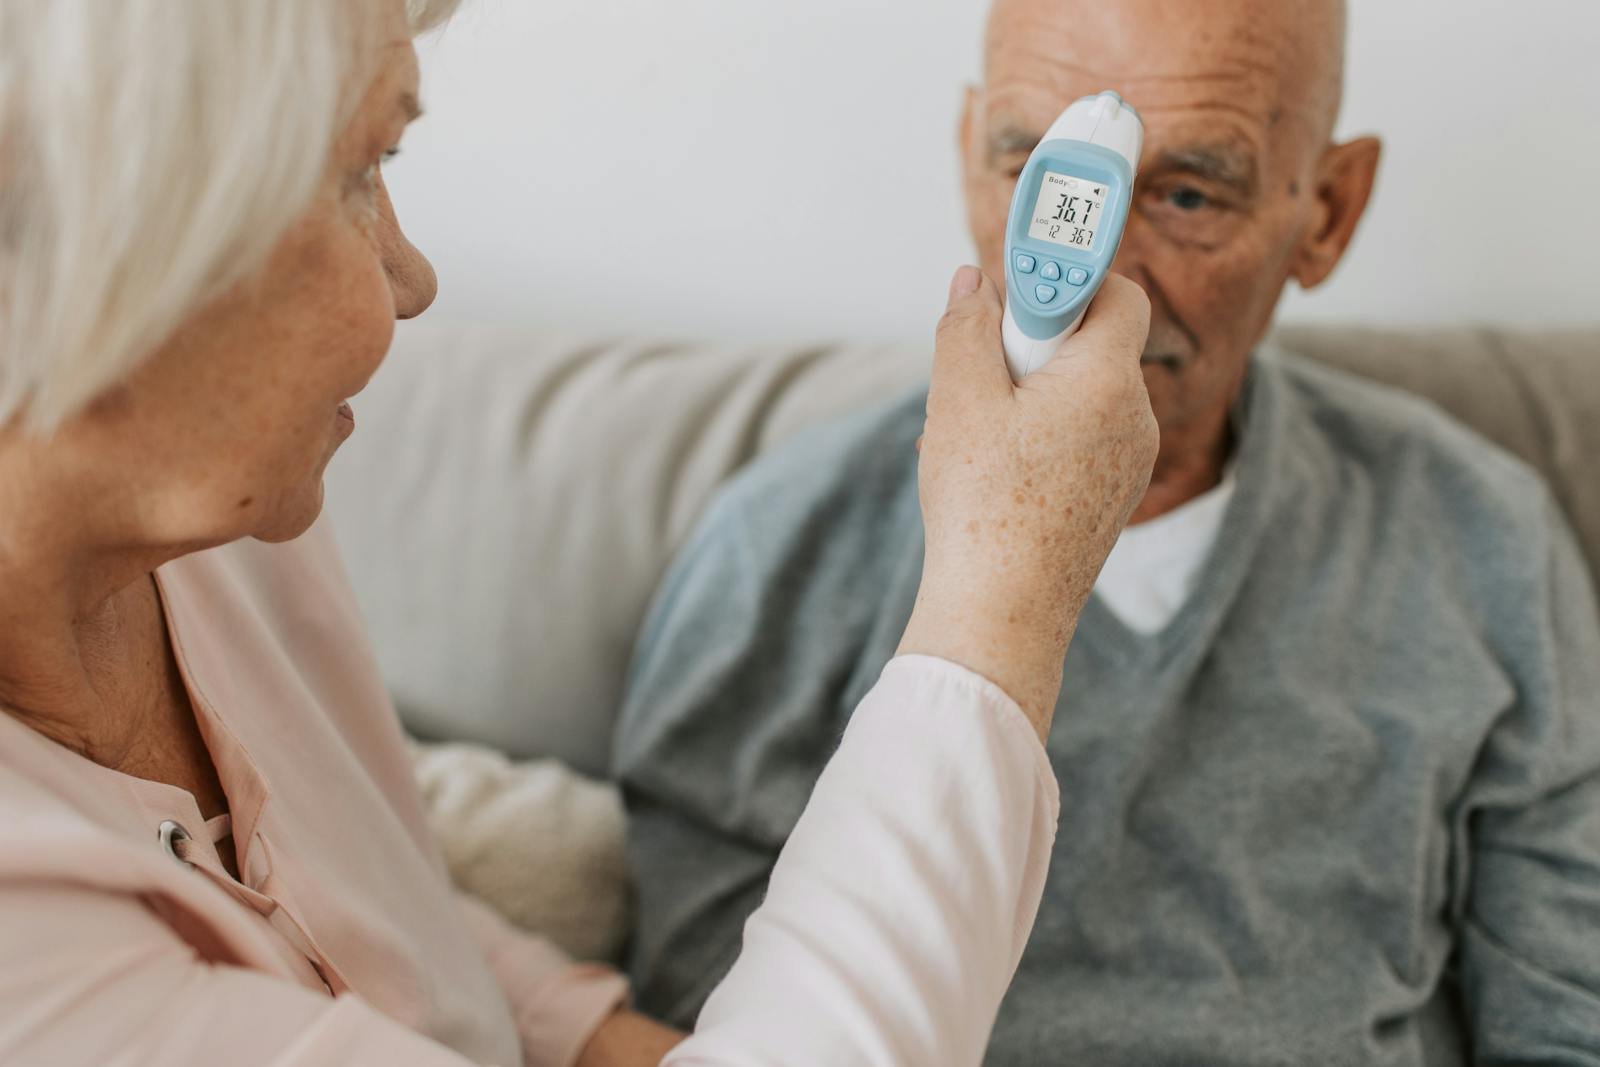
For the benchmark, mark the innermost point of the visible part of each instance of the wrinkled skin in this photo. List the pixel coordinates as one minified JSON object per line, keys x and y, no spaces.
{"x":1240,"y":187}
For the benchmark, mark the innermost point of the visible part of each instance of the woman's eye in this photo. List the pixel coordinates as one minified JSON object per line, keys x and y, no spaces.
{"x":1188,"y":199}
{"x":371,"y":173}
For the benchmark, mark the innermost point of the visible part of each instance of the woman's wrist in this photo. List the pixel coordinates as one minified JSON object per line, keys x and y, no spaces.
{"x":1018,"y":640}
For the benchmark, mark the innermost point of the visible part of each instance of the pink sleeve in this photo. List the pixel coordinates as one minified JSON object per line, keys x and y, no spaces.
{"x":92,"y":977}
{"x":557,"y":1004}
{"x":898,"y":911}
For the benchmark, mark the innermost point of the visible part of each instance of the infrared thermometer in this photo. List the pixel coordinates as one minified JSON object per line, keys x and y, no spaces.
{"x":1067,"y":218}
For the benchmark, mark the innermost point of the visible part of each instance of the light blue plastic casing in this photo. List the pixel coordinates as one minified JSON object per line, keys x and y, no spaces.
{"x":1082,"y":160}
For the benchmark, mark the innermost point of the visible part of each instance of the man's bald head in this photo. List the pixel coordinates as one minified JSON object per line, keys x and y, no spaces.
{"x":1240,"y":188}
{"x":1297,"y":45}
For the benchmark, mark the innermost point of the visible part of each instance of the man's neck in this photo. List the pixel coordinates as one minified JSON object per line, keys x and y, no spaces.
{"x":1189,"y":465}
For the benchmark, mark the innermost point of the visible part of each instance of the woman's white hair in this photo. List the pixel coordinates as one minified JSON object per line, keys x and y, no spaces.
{"x":152,"y":152}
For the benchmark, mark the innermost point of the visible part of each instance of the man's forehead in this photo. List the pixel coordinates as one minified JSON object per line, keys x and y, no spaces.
{"x":1259,"y":59}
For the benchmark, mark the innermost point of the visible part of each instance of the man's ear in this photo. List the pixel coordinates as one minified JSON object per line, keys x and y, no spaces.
{"x":1343,"y":186}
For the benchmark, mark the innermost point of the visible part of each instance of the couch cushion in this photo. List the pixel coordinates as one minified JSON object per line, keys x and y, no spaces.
{"x":510,"y":499}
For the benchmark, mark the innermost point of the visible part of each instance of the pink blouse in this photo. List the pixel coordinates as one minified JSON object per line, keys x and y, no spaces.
{"x":123,"y":939}
{"x":342,"y":940}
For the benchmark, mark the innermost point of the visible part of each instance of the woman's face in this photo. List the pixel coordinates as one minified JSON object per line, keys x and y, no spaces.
{"x":225,"y":432}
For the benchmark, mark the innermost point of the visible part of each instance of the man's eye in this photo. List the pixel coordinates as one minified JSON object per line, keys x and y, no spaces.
{"x":1010,"y":164}
{"x":1188,"y":199}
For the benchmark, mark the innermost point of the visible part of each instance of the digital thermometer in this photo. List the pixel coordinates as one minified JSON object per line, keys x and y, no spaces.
{"x":1067,"y":218}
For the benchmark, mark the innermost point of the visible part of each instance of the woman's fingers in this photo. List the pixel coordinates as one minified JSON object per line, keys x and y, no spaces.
{"x":1115,"y":327}
{"x":1023,"y":491}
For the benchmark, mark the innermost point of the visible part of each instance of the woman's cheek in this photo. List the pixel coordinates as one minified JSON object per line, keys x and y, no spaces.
{"x":377,"y":331}
{"x":358,"y":306}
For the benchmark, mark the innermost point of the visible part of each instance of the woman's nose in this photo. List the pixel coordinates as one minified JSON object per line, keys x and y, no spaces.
{"x":411,"y":276}
{"x":415,"y":283}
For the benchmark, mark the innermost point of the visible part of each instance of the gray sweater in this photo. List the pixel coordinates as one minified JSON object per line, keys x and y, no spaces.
{"x":1344,"y":809}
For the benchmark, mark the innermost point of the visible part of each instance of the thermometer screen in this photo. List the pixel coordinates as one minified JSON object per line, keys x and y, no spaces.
{"x":1068,"y":211}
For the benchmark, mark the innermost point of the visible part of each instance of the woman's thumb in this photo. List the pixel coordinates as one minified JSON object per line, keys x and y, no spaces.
{"x":967,"y":354}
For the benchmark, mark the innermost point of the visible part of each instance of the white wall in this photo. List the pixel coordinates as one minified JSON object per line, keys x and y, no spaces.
{"x":607,"y":164}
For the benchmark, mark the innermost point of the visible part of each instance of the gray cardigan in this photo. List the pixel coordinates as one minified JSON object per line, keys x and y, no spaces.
{"x":1345,"y":808}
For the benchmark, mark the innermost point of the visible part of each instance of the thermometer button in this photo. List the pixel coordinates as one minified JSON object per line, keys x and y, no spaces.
{"x":1045,"y":293}
{"x":1077,"y":276}
{"x":1025,"y":264}
{"x":1051,"y":272}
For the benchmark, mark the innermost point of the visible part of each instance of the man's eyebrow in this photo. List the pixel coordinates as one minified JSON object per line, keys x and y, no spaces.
{"x":1224,"y":164}
{"x":1009,"y":140}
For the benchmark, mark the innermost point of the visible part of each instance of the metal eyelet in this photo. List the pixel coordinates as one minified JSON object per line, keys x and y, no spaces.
{"x":172,"y":835}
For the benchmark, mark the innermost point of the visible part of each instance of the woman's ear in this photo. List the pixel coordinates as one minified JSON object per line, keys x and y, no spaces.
{"x":1343,"y":186}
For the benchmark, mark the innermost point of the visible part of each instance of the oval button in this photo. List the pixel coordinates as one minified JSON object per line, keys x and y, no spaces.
{"x":172,"y":834}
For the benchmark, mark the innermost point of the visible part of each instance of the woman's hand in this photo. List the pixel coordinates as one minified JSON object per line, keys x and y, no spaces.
{"x":1026,"y":488}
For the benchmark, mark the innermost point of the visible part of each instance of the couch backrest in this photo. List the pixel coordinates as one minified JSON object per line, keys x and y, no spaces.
{"x":510,"y":500}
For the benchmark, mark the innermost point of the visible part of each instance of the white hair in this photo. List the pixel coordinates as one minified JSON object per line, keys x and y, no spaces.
{"x":152,"y":152}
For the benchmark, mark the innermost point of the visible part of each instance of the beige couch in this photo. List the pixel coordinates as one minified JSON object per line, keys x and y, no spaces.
{"x":510,"y":500}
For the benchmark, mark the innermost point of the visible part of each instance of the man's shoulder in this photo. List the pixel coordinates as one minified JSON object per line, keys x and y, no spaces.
{"x":858,"y":467}
{"x":875,"y":445}
{"x":1371,"y":419}
{"x":771,"y":622}
{"x":1421,"y":463}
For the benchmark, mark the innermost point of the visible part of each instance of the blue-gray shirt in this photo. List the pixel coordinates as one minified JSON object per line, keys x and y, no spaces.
{"x":1344,"y":809}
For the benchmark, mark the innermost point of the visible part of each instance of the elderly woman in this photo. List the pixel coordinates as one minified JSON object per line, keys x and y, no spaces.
{"x":211,"y":850}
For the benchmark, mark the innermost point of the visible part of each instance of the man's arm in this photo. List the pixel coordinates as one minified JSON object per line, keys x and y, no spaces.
{"x":696,"y":888}
{"x":770,"y":625}
{"x":714,"y":775}
{"x":1530,"y":920}
{"x":900,"y":906}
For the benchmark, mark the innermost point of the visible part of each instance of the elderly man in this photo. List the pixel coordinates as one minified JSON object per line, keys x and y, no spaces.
{"x":1329,"y":741}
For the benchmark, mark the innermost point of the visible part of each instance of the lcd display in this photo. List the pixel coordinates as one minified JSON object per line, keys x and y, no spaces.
{"x":1068,"y":210}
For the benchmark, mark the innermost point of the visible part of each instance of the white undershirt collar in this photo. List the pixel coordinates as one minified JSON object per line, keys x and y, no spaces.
{"x":1153,"y":566}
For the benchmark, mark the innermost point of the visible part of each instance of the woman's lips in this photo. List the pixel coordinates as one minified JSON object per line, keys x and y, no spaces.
{"x":346,"y":416}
